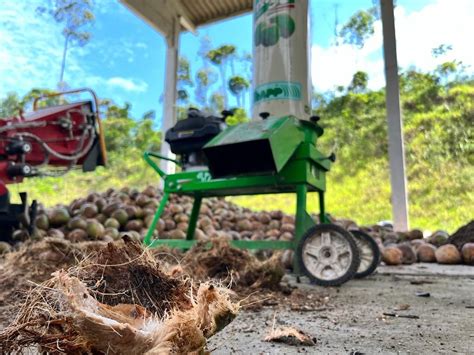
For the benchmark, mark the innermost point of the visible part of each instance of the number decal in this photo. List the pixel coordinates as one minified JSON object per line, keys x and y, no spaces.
{"x":204,"y":176}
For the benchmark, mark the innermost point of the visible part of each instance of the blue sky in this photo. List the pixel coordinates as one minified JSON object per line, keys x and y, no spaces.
{"x":125,"y":59}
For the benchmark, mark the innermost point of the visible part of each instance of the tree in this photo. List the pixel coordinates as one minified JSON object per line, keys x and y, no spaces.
{"x":359,"y":28}
{"x":184,"y":79}
{"x":10,"y":106}
{"x":237,"y":86}
{"x":359,"y":82}
{"x":217,"y":102}
{"x":76,"y":15}
{"x":220,"y":57}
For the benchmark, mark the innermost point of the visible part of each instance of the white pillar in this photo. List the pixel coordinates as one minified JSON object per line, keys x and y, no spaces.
{"x":170,"y":93}
{"x":396,"y":150}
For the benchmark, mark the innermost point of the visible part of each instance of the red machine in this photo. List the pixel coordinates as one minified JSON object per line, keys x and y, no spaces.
{"x":46,"y":142}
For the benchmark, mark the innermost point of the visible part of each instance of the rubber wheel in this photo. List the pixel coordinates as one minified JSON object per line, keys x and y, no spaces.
{"x":328,"y":255}
{"x":369,"y":253}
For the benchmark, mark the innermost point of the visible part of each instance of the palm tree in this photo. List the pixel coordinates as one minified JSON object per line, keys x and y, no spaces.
{"x":237,"y":86}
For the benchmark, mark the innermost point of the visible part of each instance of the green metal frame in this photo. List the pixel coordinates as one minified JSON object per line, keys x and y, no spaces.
{"x":303,"y":172}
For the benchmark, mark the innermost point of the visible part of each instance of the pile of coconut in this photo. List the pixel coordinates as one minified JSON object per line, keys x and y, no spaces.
{"x":109,"y":215}
{"x":411,"y":247}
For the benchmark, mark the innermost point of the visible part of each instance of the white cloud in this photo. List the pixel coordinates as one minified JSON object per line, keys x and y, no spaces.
{"x":127,"y":84}
{"x":418,"y":32}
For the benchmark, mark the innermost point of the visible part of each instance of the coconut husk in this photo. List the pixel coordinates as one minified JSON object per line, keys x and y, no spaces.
{"x":35,"y":261}
{"x":463,"y":235}
{"x":290,"y":336}
{"x":237,"y":267}
{"x":67,"y":314}
{"x":126,"y":273}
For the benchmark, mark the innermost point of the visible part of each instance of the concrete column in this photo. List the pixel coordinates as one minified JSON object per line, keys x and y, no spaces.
{"x":170,"y":93}
{"x":396,"y":150}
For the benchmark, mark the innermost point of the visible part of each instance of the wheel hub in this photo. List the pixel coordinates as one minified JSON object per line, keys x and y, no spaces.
{"x":327,"y":255}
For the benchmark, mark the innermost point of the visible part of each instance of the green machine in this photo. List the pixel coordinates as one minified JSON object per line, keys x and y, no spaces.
{"x":273,"y":153}
{"x":270,"y":156}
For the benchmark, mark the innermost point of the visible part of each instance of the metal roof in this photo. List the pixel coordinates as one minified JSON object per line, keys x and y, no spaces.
{"x":192,"y":13}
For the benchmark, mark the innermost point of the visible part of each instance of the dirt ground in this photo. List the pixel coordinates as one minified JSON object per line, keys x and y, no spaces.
{"x":354,"y":322}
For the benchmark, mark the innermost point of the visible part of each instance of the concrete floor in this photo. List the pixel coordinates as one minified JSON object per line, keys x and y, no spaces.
{"x":354,"y":321}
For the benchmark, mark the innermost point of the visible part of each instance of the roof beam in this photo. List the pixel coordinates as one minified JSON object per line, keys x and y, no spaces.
{"x":185,"y":17}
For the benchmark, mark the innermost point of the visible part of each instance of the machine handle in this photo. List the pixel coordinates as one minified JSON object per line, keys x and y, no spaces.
{"x":97,"y":115}
{"x":148,"y":158}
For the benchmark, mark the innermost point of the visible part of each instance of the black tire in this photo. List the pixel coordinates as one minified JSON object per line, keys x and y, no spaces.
{"x":369,"y":241}
{"x":354,"y":262}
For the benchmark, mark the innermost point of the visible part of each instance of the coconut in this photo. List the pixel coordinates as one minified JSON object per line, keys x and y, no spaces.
{"x":101,"y":218}
{"x":56,"y":233}
{"x":150,"y":191}
{"x":288,"y":219}
{"x":183,"y":226}
{"x":438,"y":238}
{"x":101,"y":203}
{"x":170,"y":224}
{"x":134,"y":225}
{"x":177,"y":234}
{"x":111,"y":208}
{"x":5,"y":248}
{"x":42,"y":222}
{"x":274,"y":224}
{"x":175,"y":208}
{"x":141,"y":200}
{"x":94,"y":229}
{"x":287,"y":236}
{"x":244,"y":225}
{"x":390,"y":237}
{"x":131,"y":211}
{"x":414,"y":234}
{"x":92,"y":197}
{"x":20,"y":235}
{"x":468,"y":253}
{"x":264,"y":218}
{"x":426,"y":253}
{"x":77,"y":223}
{"x":112,"y":232}
{"x":134,"y":235}
{"x":392,"y":256}
{"x":287,"y":227}
{"x":77,"y":235}
{"x":112,"y":223}
{"x":408,"y":254}
{"x":89,"y":210}
{"x":416,"y":243}
{"x":448,"y":254}
{"x":181,"y":217}
{"x":58,"y":216}
{"x":272,"y":233}
{"x":121,"y":216}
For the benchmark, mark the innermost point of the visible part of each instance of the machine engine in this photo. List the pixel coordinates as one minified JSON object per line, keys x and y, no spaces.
{"x":189,"y":136}
{"x":48,"y":141}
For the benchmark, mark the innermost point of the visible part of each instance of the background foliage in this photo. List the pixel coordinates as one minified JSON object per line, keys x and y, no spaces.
{"x":438,"y":113}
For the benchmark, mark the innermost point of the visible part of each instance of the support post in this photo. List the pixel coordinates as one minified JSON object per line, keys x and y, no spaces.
{"x":396,"y":150}
{"x":170,"y":93}
{"x":194,"y":218}
{"x":149,"y":236}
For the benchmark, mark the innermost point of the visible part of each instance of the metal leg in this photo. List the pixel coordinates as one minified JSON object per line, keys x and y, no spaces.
{"x":322,"y":209}
{"x":161,"y":208}
{"x":301,"y":191}
{"x":302,"y":224}
{"x":194,"y":218}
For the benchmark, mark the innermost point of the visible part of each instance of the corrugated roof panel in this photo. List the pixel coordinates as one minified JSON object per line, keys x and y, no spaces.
{"x":158,"y":13}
